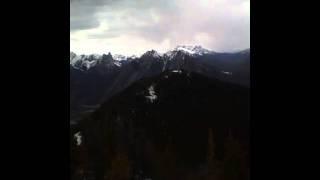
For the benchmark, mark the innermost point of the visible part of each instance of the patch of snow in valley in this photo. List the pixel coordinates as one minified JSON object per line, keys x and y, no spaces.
{"x":78,"y":138}
{"x":152,"y":94}
{"x":177,"y":71}
{"x":226,"y":72}
{"x":117,"y":63}
{"x":89,"y":64}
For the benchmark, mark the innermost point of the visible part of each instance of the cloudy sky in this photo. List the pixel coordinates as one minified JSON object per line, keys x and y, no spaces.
{"x":134,"y":26}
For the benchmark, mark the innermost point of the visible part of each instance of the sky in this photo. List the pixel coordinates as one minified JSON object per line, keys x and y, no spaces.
{"x":132,"y":27}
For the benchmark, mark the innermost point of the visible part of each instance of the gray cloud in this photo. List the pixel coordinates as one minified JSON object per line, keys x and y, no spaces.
{"x":216,"y":24}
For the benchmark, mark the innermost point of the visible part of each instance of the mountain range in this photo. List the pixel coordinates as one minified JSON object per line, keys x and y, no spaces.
{"x":183,"y":114}
{"x":96,"y":78}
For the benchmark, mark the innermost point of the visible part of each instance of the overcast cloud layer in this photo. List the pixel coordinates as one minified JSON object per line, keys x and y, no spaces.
{"x":135,"y":26}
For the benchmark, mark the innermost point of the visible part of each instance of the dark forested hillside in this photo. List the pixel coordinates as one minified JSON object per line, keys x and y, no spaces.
{"x":176,"y":125}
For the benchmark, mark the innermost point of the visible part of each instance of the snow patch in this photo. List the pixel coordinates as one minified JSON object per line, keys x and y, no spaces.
{"x":78,"y":138}
{"x":177,"y":71}
{"x":152,"y":94}
{"x":117,"y":63}
{"x":89,"y":64}
{"x":119,"y":57}
{"x":156,"y":54}
{"x":193,"y":50}
{"x":74,"y":58}
{"x":134,"y":57}
{"x":185,"y":49}
{"x":226,"y":72}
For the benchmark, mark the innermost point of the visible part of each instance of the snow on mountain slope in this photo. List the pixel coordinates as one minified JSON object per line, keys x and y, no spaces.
{"x":187,"y":50}
{"x":119,"y":57}
{"x":151,"y":94}
{"x":89,"y":61}
{"x":194,"y":50}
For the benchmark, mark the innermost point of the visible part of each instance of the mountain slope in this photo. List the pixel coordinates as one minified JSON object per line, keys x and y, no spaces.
{"x":166,"y":126}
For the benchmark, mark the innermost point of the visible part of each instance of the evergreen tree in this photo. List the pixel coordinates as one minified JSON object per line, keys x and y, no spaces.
{"x":164,"y":162}
{"x":211,"y":147}
{"x":212,"y":162}
{"x":120,"y":167}
{"x":234,"y":165}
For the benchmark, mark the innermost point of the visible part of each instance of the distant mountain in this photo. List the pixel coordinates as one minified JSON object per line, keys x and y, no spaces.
{"x":88,"y":61}
{"x":193,"y":50}
{"x":175,"y":125}
{"x":96,"y":78}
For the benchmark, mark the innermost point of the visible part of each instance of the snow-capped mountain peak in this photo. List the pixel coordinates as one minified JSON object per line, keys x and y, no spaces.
{"x":85,"y":62}
{"x":133,"y":57}
{"x":193,"y":50}
{"x":119,"y":57}
{"x":74,"y":58}
{"x":187,"y":50}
